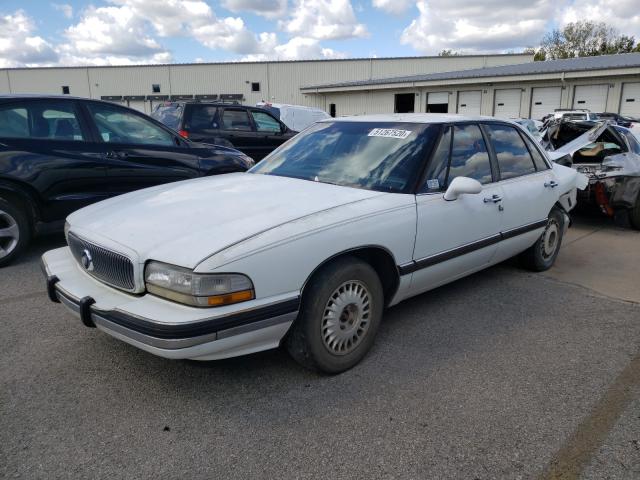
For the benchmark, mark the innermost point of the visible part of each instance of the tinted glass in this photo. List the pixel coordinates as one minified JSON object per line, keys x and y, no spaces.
{"x":117,"y":125}
{"x":265,"y":122}
{"x":14,"y":122}
{"x":201,"y":117}
{"x":436,"y":172}
{"x":236,"y":120}
{"x":513,"y":156}
{"x":469,"y":156}
{"x":384,"y":156}
{"x":170,"y":115}
{"x":538,"y":160}
{"x":41,"y":120}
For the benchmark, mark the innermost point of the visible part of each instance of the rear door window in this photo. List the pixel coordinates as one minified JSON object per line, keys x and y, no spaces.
{"x":469,"y":155}
{"x":236,"y":119}
{"x":265,"y":122}
{"x":514,"y":159}
{"x":170,"y":115}
{"x":436,"y":172}
{"x":42,"y":121}
{"x":538,"y":159}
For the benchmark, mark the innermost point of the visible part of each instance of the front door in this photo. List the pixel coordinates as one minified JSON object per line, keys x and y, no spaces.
{"x":139,"y":153}
{"x":456,"y":237}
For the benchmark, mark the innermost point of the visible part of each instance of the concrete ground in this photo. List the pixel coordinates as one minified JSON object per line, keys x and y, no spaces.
{"x":505,"y":374}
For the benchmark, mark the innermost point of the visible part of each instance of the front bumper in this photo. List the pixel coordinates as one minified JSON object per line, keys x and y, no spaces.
{"x":166,"y":328}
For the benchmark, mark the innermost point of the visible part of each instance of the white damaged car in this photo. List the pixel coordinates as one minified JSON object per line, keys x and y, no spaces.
{"x":308,"y":248}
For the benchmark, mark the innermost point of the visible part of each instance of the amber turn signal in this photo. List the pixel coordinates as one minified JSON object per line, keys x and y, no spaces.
{"x":229,"y":298}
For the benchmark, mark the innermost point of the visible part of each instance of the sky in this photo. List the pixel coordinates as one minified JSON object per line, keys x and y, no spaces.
{"x":121,"y":32}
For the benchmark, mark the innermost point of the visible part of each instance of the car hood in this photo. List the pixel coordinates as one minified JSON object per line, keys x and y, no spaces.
{"x":185,"y":222}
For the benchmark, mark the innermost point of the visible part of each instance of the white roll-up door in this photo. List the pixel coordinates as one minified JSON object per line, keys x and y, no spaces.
{"x":469,"y":102}
{"x":437,"y":97}
{"x":630,"y":103}
{"x":507,"y":103}
{"x":591,"y":97}
{"x":140,"y":105}
{"x":544,"y":100}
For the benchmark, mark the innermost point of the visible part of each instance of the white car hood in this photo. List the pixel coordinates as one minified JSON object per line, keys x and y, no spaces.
{"x":185,"y":222}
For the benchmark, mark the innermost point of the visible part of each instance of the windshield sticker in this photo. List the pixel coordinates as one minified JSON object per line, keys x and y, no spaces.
{"x":389,"y":133}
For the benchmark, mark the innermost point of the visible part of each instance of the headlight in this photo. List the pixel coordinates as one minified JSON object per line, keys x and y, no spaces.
{"x":197,"y":289}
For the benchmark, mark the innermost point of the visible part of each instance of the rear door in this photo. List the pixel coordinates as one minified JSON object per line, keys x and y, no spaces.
{"x":527,"y":183}
{"x":237,"y":127}
{"x":460,"y":236}
{"x":137,"y":151}
{"x":47,"y":145}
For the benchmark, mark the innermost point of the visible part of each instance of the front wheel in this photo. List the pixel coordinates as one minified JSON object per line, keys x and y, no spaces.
{"x":15,"y":232}
{"x":542,"y":255}
{"x":340,"y":314}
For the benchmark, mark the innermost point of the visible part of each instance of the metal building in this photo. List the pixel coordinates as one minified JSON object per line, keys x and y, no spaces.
{"x":608,"y":83}
{"x":143,"y":86}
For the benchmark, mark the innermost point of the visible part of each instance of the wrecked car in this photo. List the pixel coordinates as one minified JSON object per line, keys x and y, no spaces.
{"x":610,"y":157}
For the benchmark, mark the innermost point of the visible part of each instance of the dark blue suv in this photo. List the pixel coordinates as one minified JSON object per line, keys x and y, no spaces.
{"x":59,"y":153}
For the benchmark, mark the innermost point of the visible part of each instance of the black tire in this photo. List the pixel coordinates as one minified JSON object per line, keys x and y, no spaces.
{"x":542,"y":255}
{"x":634,"y":214}
{"x":355,"y":327}
{"x":15,"y":231}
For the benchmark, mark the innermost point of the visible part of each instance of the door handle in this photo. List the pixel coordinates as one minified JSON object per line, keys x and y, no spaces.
{"x":120,"y":155}
{"x":551,"y":184}
{"x":493,"y":198}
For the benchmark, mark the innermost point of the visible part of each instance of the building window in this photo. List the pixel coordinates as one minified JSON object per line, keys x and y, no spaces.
{"x":255,"y":86}
{"x":332,"y":109}
{"x":155,"y":88}
{"x":65,"y":90}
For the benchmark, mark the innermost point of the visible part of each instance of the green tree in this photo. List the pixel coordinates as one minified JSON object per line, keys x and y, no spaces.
{"x":584,"y":39}
{"x":448,"y":53}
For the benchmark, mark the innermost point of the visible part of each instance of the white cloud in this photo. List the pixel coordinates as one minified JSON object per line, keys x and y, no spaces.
{"x":624,"y":15}
{"x":19,"y":46}
{"x":266,"y":8}
{"x":472,"y":26}
{"x":397,"y":7}
{"x":323,"y":20}
{"x":111,"y":35}
{"x":298,"y":48}
{"x":66,"y":9}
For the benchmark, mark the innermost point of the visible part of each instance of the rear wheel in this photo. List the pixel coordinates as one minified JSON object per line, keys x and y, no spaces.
{"x":15,"y":232}
{"x":339,"y":317}
{"x":542,"y":254}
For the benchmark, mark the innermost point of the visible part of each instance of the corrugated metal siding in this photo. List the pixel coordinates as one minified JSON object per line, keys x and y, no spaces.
{"x":127,"y":81}
{"x":4,"y":82}
{"x":50,"y":81}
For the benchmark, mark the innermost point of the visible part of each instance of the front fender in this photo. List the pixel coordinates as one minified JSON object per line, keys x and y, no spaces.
{"x":281,"y":260}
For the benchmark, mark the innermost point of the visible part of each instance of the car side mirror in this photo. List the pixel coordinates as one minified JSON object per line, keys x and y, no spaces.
{"x":462,"y":186}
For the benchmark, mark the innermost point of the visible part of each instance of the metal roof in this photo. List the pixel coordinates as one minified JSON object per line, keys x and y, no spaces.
{"x":602,"y":62}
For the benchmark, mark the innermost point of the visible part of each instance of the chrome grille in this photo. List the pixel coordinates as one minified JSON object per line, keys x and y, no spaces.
{"x":110,"y":267}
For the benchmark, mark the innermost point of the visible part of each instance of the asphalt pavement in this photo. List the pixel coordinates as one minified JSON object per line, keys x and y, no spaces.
{"x":506,"y":374}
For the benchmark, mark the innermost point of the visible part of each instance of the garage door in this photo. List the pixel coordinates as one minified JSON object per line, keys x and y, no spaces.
{"x":591,"y":97}
{"x":140,"y":105}
{"x":438,"y":102}
{"x":630,"y":104}
{"x":469,"y":102}
{"x":544,"y":100}
{"x":507,"y":103}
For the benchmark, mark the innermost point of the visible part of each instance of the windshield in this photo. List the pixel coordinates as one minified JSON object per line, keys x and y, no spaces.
{"x":169,"y":115}
{"x":383,"y":156}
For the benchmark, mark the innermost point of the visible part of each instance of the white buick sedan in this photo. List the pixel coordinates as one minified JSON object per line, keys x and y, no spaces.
{"x":309,"y":247}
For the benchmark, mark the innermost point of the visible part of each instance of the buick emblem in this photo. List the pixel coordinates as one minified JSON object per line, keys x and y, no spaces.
{"x":87,"y":260}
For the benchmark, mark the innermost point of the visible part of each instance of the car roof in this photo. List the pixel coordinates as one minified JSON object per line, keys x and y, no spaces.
{"x":14,"y":96}
{"x":417,"y":118}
